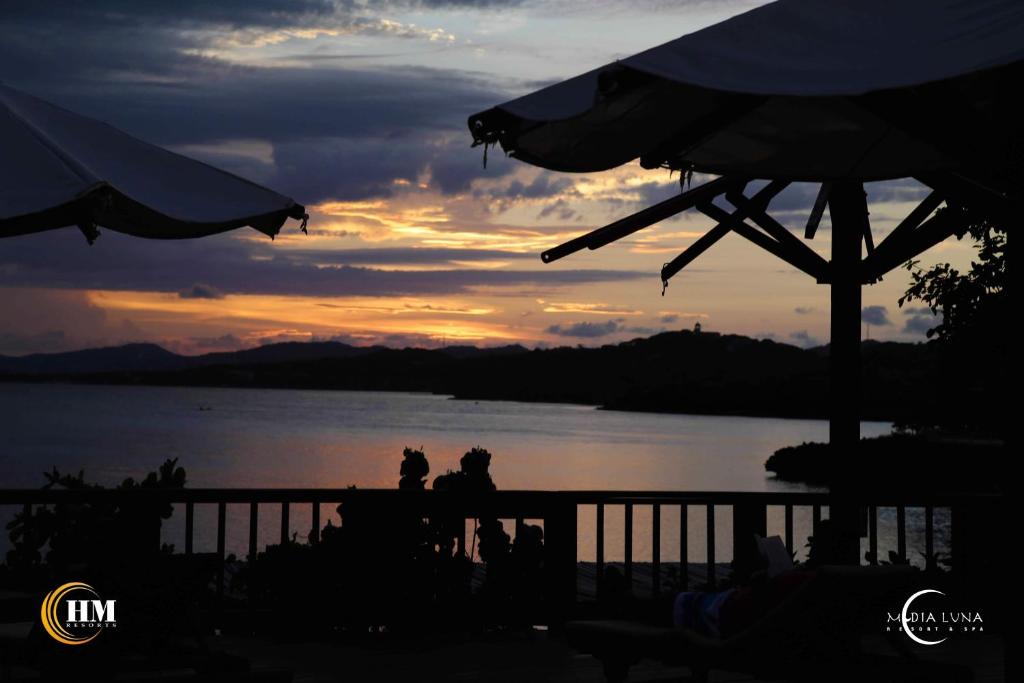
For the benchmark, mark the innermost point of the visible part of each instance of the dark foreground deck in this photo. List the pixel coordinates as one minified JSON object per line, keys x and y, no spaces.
{"x":569,"y":580}
{"x":501,"y":657}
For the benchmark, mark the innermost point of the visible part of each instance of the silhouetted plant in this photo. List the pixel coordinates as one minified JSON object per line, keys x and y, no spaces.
{"x":116,"y":548}
{"x":471,"y":477}
{"x":385,"y":566}
{"x":971,"y":332}
{"x":414,"y":469}
{"x":93,"y":534}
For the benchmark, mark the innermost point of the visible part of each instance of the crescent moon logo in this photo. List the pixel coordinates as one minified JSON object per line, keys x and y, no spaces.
{"x":906,"y":625}
{"x":51,"y":621}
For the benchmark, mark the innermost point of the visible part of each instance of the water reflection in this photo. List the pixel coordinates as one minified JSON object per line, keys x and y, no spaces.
{"x":287,"y":438}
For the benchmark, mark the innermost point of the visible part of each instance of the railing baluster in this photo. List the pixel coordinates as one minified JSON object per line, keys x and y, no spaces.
{"x":684,"y":546}
{"x":314,"y":533}
{"x":815,"y":518}
{"x":190,"y":517}
{"x":28,"y":526}
{"x":712,"y":573}
{"x":285,"y":525}
{"x":629,"y":547}
{"x":254,"y":515}
{"x":901,"y":532}
{"x":600,"y":547}
{"x":929,"y":537}
{"x":221,"y":528}
{"x":517,"y":507}
{"x":656,"y":550}
{"x":789,"y":528}
{"x":873,"y":533}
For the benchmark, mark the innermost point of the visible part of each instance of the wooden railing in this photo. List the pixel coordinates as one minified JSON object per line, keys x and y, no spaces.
{"x":558,"y":512}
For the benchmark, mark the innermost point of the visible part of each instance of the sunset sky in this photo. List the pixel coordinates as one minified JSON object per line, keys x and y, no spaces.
{"x":358,"y":110}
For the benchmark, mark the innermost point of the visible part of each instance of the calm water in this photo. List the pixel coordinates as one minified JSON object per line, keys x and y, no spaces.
{"x":257,"y":437}
{"x":285,"y":438}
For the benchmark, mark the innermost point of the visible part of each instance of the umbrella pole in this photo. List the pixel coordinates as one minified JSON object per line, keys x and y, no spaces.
{"x":849,"y":213}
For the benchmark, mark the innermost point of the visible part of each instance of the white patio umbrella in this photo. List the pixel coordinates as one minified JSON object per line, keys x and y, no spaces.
{"x":795,"y":90}
{"x":59,"y":169}
{"x":836,"y":93}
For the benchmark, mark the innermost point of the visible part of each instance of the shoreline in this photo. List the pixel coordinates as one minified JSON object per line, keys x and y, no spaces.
{"x":779,"y":415}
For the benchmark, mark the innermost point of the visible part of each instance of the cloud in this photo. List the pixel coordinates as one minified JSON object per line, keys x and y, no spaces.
{"x":15,"y":343}
{"x":543,"y":185}
{"x":875,"y":315}
{"x":423,"y":256}
{"x":792,"y":206}
{"x":156,"y":70}
{"x":587,"y":308}
{"x":642,"y":330}
{"x":559,"y":209}
{"x":201,"y":291}
{"x":37,"y":320}
{"x":918,"y":310}
{"x":233,"y":265}
{"x":804,"y":339}
{"x":919,"y":324}
{"x":919,"y":320}
{"x":196,"y":345}
{"x":585,"y":330}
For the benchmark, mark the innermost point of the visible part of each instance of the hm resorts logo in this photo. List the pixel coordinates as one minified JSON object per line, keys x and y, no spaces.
{"x":922,"y":620}
{"x":74,"y":614}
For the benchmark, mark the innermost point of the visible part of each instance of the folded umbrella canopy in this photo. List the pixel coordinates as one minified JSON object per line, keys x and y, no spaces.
{"x":60,"y":169}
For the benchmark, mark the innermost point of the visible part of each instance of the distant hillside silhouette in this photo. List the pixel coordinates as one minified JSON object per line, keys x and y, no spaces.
{"x":686,"y":372}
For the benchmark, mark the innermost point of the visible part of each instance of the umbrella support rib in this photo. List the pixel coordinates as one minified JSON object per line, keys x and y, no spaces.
{"x":702,"y":244}
{"x":818,"y":271}
{"x":817,"y":211}
{"x":996,"y":207}
{"x":891,"y":254}
{"x":914,"y":219}
{"x":726,"y":223}
{"x":642,"y":219}
{"x":789,"y":248}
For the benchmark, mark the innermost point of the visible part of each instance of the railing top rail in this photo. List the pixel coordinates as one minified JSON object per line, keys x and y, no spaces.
{"x":506,"y":498}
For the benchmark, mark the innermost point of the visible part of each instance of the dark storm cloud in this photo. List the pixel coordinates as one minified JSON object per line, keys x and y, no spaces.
{"x":336,"y":133}
{"x":332,"y":133}
{"x":584,"y":330}
{"x":227,"y":264}
{"x":239,"y":14}
{"x":875,"y":315}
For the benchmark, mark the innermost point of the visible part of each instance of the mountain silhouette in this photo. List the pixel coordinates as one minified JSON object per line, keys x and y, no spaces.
{"x":684,"y":372}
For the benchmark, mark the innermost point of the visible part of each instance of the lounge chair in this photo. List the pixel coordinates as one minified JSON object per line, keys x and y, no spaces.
{"x":815,"y":634}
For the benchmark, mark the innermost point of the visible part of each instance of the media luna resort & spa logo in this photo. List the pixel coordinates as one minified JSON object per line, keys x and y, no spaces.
{"x":927,"y":626}
{"x":74,"y":614}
